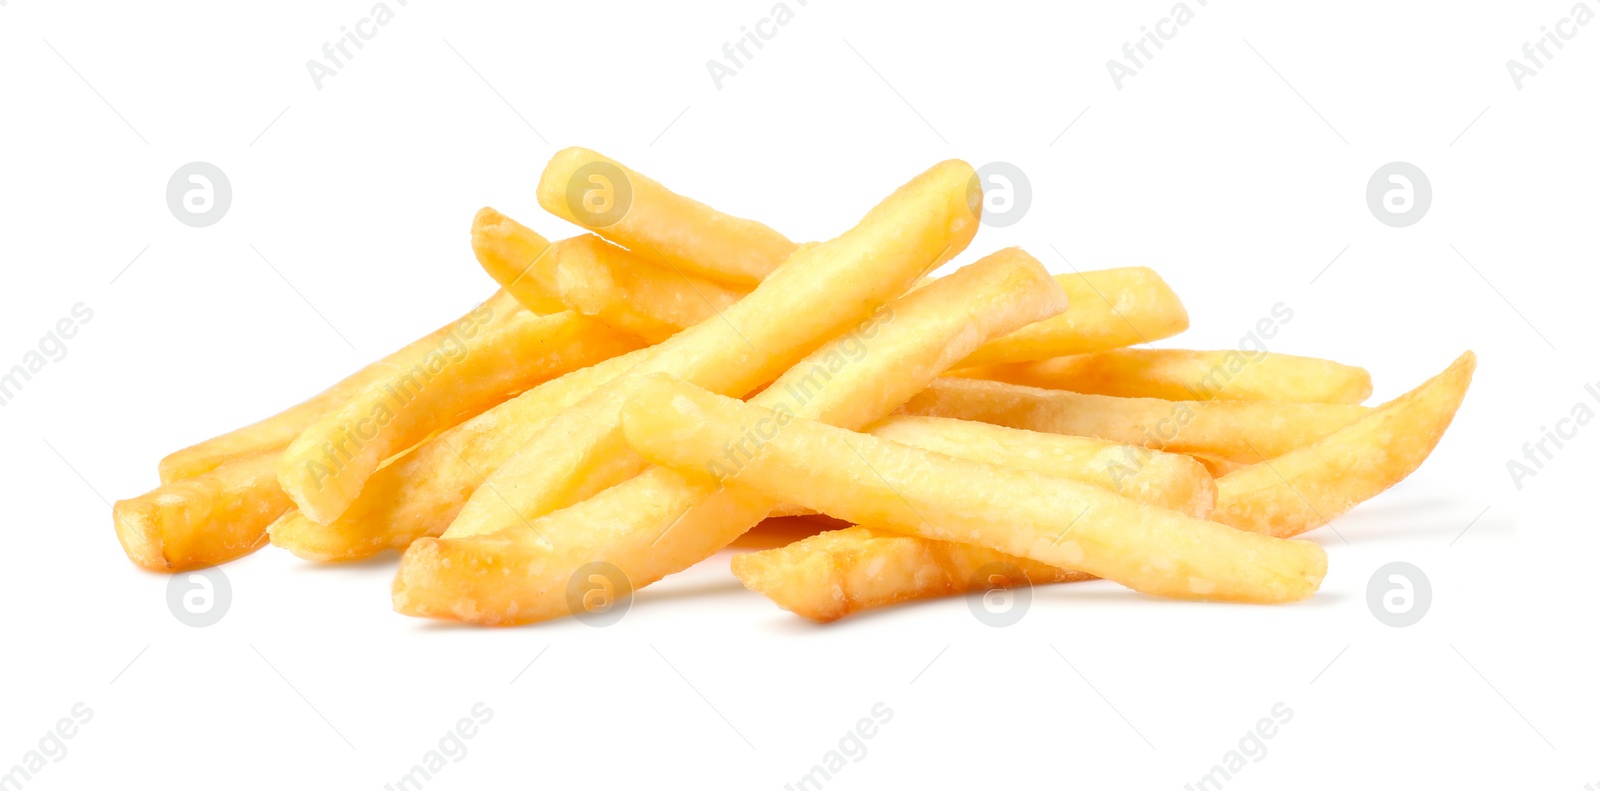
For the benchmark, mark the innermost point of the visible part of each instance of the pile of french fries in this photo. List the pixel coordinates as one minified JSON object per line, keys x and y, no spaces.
{"x":642,"y":396}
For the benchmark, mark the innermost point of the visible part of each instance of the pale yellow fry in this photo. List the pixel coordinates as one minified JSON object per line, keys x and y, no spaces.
{"x":841,"y":572}
{"x":1307,"y":487}
{"x":818,"y":294}
{"x":603,"y":195}
{"x":661,"y":522}
{"x":1184,"y":375}
{"x":1246,"y":431}
{"x":1054,"y":521}
{"x":276,"y":432}
{"x":516,"y":257}
{"x":203,"y":520}
{"x":1111,"y":308}
{"x":419,"y":493}
{"x":325,"y":467}
{"x":596,"y":278}
{"x":1168,"y":480}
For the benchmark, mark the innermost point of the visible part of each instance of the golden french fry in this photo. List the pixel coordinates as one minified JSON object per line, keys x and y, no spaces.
{"x":1111,"y":308}
{"x":603,"y":195}
{"x":661,"y":522}
{"x":1168,"y":480}
{"x":1246,"y":431}
{"x":818,"y":294}
{"x":276,"y":432}
{"x":420,"y":492}
{"x":840,"y":572}
{"x":516,"y":257}
{"x":1054,"y":521}
{"x":325,"y":467}
{"x":597,"y":278}
{"x":205,"y":519}
{"x":1309,"y":486}
{"x":1184,"y":375}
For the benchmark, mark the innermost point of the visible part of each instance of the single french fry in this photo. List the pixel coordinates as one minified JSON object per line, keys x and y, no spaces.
{"x":818,"y":294}
{"x":325,"y":467}
{"x":1054,"y":521}
{"x":603,"y":195}
{"x":1246,"y":431}
{"x":276,"y":432}
{"x":206,"y":519}
{"x":1111,"y":308}
{"x":421,"y":492}
{"x":1168,"y":480}
{"x":517,"y":258}
{"x":660,"y":522}
{"x":841,"y":572}
{"x":596,"y":278}
{"x":1184,"y":375}
{"x":1309,"y":486}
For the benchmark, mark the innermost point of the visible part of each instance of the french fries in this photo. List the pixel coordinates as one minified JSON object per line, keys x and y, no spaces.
{"x":819,"y":293}
{"x":276,"y":432}
{"x":596,"y":278}
{"x":635,"y":295}
{"x":1111,"y":308}
{"x":841,"y":572}
{"x":601,"y":194}
{"x":982,"y":430}
{"x":1246,"y":431}
{"x":661,"y":522}
{"x":1308,"y":486}
{"x":421,"y":492}
{"x":325,"y":467}
{"x":214,"y":517}
{"x":232,"y":493}
{"x":1054,"y":521}
{"x":1168,"y":480}
{"x":1183,"y":375}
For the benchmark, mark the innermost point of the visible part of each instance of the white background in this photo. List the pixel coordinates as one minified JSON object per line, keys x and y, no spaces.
{"x":1235,"y":162}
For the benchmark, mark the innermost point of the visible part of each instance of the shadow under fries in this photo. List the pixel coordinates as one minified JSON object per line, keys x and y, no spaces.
{"x":1061,"y":598}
